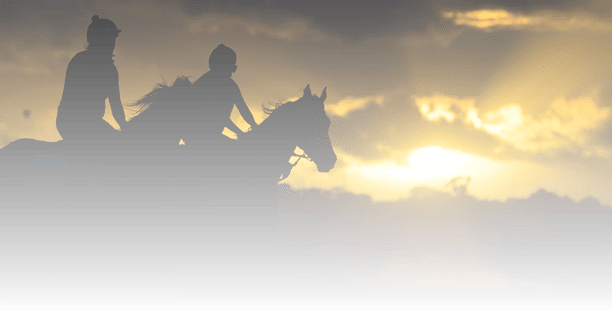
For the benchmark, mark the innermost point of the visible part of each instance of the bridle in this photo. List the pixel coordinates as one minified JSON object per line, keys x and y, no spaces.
{"x":300,"y":157}
{"x":291,"y":165}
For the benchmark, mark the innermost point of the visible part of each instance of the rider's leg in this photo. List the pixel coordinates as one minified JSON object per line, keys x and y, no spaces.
{"x":74,"y":137}
{"x":87,"y":134}
{"x":106,"y":135}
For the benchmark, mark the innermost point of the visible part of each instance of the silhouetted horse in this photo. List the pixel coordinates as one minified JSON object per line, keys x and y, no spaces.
{"x":223,"y":173}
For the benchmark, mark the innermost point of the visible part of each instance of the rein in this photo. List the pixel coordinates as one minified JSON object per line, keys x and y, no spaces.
{"x":300,"y":157}
{"x":292,"y":155}
{"x":290,"y":166}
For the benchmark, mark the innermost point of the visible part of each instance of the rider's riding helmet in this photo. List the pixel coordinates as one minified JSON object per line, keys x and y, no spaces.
{"x":101,"y":29}
{"x":222,"y":58}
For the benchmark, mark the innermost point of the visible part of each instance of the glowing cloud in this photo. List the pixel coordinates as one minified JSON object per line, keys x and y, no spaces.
{"x":440,"y":107}
{"x":349,"y":104}
{"x":424,"y":163}
{"x":564,"y":123}
{"x":489,"y":20}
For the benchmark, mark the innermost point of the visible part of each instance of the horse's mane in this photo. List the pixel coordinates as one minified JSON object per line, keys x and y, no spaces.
{"x":282,"y":109}
{"x":270,"y":107}
{"x":158,"y":94}
{"x":164,"y":95}
{"x":273,"y":107}
{"x":161,"y":91}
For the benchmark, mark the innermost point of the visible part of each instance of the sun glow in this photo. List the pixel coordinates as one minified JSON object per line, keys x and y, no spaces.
{"x":393,"y":178}
{"x":430,"y":162}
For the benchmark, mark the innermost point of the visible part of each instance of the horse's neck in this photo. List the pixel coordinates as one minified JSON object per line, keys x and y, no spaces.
{"x":276,"y":133}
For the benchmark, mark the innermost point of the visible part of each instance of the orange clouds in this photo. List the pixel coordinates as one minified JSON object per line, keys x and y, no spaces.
{"x":500,"y":19}
{"x":476,"y":19}
{"x":488,"y":18}
{"x":565,"y":122}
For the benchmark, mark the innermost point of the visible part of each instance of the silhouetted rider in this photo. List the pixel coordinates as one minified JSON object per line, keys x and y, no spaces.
{"x":91,"y":78}
{"x":219,"y":93}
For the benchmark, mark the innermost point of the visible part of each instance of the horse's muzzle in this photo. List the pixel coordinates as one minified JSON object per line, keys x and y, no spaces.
{"x":327,"y":165}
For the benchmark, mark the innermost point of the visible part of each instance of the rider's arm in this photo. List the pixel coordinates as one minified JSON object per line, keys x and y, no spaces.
{"x":244,"y":110}
{"x":115,"y":103}
{"x":232,"y":127}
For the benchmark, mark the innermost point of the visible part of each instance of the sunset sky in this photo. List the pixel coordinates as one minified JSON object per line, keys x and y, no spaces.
{"x":509,"y":97}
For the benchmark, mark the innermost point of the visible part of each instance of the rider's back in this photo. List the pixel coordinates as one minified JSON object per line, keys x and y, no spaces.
{"x":89,"y":78}
{"x":215,"y":94}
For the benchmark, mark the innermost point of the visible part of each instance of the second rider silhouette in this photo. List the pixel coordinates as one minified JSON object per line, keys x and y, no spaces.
{"x":218,"y":93}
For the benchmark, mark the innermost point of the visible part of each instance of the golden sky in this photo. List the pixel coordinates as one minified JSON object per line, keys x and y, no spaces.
{"x":513,"y":95}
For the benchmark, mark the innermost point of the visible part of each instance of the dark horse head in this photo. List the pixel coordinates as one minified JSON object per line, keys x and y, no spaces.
{"x":314,"y":135}
{"x":301,"y":123}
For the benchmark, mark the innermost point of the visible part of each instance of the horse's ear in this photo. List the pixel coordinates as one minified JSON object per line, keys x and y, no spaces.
{"x":323,"y":94}
{"x":307,"y":91}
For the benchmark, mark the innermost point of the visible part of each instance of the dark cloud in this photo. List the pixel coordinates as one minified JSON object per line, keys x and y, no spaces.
{"x":11,"y":19}
{"x":372,"y":67}
{"x":362,"y":131}
{"x":466,"y":66}
{"x":63,"y":28}
{"x":52,"y":22}
{"x":342,"y":18}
